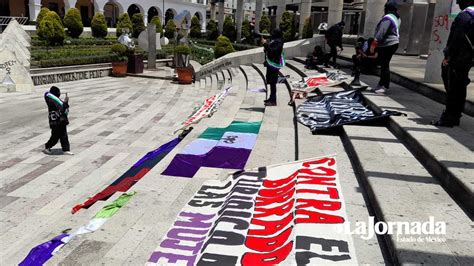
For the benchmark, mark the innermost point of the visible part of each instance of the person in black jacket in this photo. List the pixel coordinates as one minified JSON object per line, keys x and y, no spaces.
{"x":57,"y":114}
{"x":273,"y":62}
{"x":334,"y":39}
{"x":457,"y":63}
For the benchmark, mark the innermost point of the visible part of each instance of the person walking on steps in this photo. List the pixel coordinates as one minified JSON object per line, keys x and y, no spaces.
{"x":334,"y":39}
{"x":274,"y":61}
{"x":388,"y":38}
{"x":57,"y":114}
{"x":458,"y":59}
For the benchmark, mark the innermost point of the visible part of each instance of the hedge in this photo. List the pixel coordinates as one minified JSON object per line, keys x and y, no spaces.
{"x":159,"y":27}
{"x":229,"y":30}
{"x":223,"y":46}
{"x":40,"y":16}
{"x":137,"y":24}
{"x":211,"y":29}
{"x":73,"y":61}
{"x":51,"y":30}
{"x":73,"y":23}
{"x":195,"y":28}
{"x":124,"y":22}
{"x":99,"y":26}
{"x":170,"y":29}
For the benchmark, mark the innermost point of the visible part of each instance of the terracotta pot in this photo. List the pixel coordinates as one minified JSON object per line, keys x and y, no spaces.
{"x":185,"y":75}
{"x":119,"y":69}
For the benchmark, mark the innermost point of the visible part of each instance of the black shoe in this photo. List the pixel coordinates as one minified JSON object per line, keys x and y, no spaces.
{"x":270,"y":103}
{"x":445,"y":123}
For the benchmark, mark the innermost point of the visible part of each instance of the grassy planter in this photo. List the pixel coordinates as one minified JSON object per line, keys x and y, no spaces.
{"x":119,"y":69}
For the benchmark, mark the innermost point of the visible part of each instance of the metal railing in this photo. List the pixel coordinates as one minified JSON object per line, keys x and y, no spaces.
{"x":5,"y":20}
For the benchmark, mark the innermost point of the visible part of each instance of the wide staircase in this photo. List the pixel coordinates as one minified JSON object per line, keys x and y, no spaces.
{"x":401,"y":170}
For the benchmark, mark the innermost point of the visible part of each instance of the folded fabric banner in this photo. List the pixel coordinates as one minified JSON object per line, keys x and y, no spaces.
{"x":134,"y":174}
{"x":43,"y":252}
{"x":339,"y":76}
{"x":227,"y":148}
{"x":206,"y":109}
{"x":337,"y":109}
{"x":289,"y":214}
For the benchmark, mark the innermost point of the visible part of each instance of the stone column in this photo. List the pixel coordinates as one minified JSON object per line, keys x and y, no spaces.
{"x":373,"y":14}
{"x":239,"y":14}
{"x":35,"y":8}
{"x":335,"y":11}
{"x":305,"y":12}
{"x":151,"y":30}
{"x":439,"y":38}
{"x":258,"y":14}
{"x":213,"y":11}
{"x":145,"y":19}
{"x":281,"y":7}
{"x":221,"y":16}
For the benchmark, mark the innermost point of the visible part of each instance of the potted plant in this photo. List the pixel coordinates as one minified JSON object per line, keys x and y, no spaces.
{"x":181,"y":57}
{"x":119,"y":60}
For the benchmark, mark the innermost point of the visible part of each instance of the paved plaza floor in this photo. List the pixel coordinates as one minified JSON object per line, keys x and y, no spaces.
{"x":116,"y":121}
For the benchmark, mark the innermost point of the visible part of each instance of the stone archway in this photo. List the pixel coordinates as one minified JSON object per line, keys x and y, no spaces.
{"x":58,"y":6}
{"x":112,"y":11}
{"x":134,"y":9}
{"x":86,"y":9}
{"x":152,"y":12}
{"x":169,"y":14}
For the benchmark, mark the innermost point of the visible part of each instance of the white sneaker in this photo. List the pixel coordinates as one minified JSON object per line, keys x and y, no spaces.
{"x":382,"y":90}
{"x":47,"y":151}
{"x":68,"y":153}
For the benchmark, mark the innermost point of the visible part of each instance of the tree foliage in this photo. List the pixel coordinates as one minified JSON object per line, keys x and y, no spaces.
{"x":99,"y":26}
{"x":308,"y":28}
{"x":247,"y":31}
{"x":229,"y":30}
{"x":223,"y":46}
{"x":195,"y":28}
{"x":138,"y":24}
{"x":265,"y":24}
{"x":170,"y":29}
{"x":51,"y":29}
{"x":73,"y":23}
{"x":40,"y":16}
{"x":287,"y":27}
{"x":157,"y":21}
{"x":211,"y":29}
{"x":123,"y":22}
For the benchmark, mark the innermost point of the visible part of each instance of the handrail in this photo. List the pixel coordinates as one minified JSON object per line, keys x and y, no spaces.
{"x":5,"y":20}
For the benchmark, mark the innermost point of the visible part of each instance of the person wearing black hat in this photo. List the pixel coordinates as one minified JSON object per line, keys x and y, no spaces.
{"x":457,"y":63}
{"x":57,"y":113}
{"x":274,"y":61}
{"x":387,"y":34}
{"x":334,"y":39}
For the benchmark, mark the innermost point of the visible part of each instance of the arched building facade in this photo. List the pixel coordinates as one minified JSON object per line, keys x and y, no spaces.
{"x":110,"y":8}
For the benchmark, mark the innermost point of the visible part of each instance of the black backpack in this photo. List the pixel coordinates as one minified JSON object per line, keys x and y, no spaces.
{"x":470,"y":31}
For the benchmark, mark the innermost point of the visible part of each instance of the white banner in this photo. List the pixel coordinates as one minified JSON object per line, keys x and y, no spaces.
{"x":282,"y":214}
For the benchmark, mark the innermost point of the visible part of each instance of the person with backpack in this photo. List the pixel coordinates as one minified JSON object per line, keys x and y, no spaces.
{"x":457,"y":63}
{"x":387,"y":35}
{"x":334,"y":39}
{"x":274,"y":61}
{"x":57,"y":114}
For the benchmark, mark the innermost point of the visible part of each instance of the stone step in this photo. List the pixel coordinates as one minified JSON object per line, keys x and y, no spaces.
{"x":402,"y":190}
{"x":421,"y":88}
{"x":282,"y":139}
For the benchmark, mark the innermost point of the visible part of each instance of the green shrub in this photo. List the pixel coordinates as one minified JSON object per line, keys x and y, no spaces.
{"x":182,"y":49}
{"x":137,"y":24}
{"x":157,"y":21}
{"x":40,"y":16}
{"x":119,"y":51}
{"x":246,"y":32}
{"x":51,"y":30}
{"x":195,"y":28}
{"x":229,"y":29}
{"x":287,"y":27}
{"x":265,"y":24}
{"x":73,"y":23}
{"x":308,"y":29}
{"x":99,"y":26}
{"x":124,"y":22}
{"x":223,"y":46}
{"x":170,"y":29}
{"x":96,"y":59}
{"x":211,"y":29}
